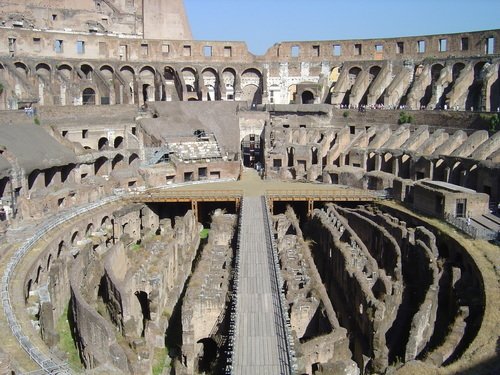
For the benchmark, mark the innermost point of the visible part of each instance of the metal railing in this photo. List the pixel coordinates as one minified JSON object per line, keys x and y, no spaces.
{"x":48,"y":364}
{"x":282,"y":319}
{"x":473,"y":231}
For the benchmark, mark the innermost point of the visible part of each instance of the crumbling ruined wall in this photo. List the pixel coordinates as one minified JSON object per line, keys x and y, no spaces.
{"x":142,"y":283}
{"x":205,"y":304}
{"x":319,"y":338}
{"x":94,"y":336}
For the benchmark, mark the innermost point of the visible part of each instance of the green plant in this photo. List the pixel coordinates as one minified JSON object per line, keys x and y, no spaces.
{"x":161,"y":360}
{"x":204,"y":233}
{"x":135,"y":247}
{"x":1,"y":88}
{"x":492,"y":120}
{"x":66,"y":343}
{"x":405,"y":118}
{"x":345,"y":114}
{"x":36,"y":120}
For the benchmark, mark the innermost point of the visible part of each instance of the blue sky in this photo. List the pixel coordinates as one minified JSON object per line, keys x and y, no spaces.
{"x":261,"y":23}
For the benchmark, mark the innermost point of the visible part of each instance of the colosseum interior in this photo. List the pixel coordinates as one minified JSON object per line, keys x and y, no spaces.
{"x":177,"y":206}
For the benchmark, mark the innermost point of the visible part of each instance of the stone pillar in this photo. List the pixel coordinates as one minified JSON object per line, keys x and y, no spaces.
{"x":395,"y":165}
{"x":378,"y":162}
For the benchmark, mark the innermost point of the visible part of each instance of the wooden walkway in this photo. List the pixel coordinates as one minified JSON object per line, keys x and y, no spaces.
{"x":260,"y":346}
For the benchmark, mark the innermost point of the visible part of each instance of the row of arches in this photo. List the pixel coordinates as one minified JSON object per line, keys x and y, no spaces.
{"x":463,"y":85}
{"x":102,"y":166}
{"x":128,"y":84}
{"x":62,"y":248}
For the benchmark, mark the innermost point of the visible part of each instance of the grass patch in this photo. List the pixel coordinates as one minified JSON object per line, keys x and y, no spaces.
{"x":66,"y":343}
{"x":204,"y":233}
{"x":161,"y":360}
{"x":136,"y":247}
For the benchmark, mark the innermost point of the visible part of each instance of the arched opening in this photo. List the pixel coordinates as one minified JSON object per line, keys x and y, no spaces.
{"x":117,"y":162}
{"x":191,"y":83}
{"x":60,"y":248}
{"x":251,"y":84}
{"x":38,"y":274}
{"x":49,"y":260}
{"x":102,"y":144}
{"x":89,"y":229}
{"x":32,"y":178}
{"x":171,"y":89}
{"x":28,"y":290}
{"x":229,"y":79}
{"x":65,"y":70}
{"x":66,"y":172}
{"x":133,"y":160}
{"x":352,"y":77}
{"x":147,"y":76}
{"x":99,"y":166}
{"x":43,"y":70}
{"x":474,"y":96}
{"x":87,"y":70}
{"x":210,"y":80}
{"x":207,"y":355}
{"x":118,"y":143}
{"x":22,"y":69}
{"x":251,"y":150}
{"x":75,"y":238}
{"x":291,"y":156}
{"x":146,"y":313}
{"x":314,"y":156}
{"x":307,"y":97}
{"x":88,"y":96}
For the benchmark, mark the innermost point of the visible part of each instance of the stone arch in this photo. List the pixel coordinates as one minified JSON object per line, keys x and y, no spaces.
{"x":49,"y":261}
{"x":65,"y":70}
{"x":43,"y":70}
{"x":102,"y":143}
{"x":49,"y":175}
{"x":172,"y":88}
{"x":105,"y":221}
{"x":133,"y":160}
{"x":34,"y":178}
{"x":457,"y":69}
{"x":189,"y":76}
{"x":307,"y":97}
{"x":87,"y":70}
{"x":290,"y":151}
{"x":474,"y":95}
{"x":229,"y":80}
{"x":118,"y":142}
{"x":75,"y":237}
{"x":207,"y":354}
{"x":88,"y":96}
{"x":387,"y":160}
{"x":100,"y":166}
{"x":128,"y":73}
{"x":251,"y":146}
{"x":144,"y":302}
{"x":117,"y":162}
{"x":107,"y":72}
{"x":352,"y":76}
{"x":89,"y":229}
{"x":147,"y":77}
{"x":66,"y":172}
{"x":61,"y":247}
{"x":22,"y":68}
{"x":314,"y":155}
{"x":38,"y":274}
{"x":251,"y":86}
{"x":211,"y":82}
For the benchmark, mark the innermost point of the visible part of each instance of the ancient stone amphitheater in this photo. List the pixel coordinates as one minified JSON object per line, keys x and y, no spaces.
{"x":174,"y":206}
